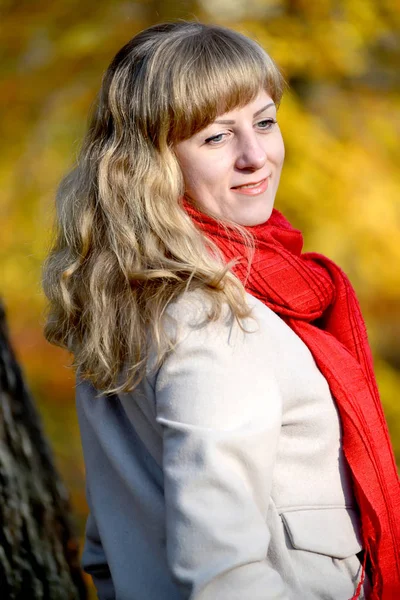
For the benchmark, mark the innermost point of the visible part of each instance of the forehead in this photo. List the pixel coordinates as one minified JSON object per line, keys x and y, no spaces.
{"x":261,"y":102}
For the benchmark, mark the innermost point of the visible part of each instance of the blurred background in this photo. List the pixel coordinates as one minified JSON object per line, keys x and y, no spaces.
{"x":341,"y":183}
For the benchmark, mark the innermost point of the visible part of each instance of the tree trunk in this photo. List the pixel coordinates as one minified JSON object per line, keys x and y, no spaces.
{"x":38,"y":550}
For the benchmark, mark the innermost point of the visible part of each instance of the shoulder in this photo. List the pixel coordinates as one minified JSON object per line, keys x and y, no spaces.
{"x":217,"y":372}
{"x":227,"y":341}
{"x":190,"y":320}
{"x":190,"y":314}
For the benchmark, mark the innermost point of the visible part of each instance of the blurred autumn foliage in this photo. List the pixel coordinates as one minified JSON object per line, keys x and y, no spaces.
{"x":341,"y":183}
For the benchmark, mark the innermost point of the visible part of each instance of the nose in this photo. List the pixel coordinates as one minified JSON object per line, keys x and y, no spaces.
{"x":251,"y":153}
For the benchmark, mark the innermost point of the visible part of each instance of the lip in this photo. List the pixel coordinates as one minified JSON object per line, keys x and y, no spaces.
{"x":259,"y":188}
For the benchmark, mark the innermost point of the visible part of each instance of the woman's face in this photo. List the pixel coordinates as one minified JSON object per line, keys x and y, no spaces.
{"x":232,"y":167}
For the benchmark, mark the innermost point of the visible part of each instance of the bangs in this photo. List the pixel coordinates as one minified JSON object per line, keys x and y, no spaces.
{"x":215,"y":74}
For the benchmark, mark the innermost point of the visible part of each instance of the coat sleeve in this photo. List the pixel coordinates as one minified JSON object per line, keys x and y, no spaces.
{"x":220,"y":410}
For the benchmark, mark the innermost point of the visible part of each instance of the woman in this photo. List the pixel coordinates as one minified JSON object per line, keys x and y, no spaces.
{"x":234,"y":441}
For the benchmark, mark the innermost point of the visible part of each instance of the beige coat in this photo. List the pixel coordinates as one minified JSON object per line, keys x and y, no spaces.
{"x":221,"y":477}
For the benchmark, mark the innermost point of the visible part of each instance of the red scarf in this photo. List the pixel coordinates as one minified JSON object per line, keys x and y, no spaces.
{"x":314,"y":297}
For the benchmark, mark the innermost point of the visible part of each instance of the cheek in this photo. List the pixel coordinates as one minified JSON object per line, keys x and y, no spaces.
{"x":205,"y":176}
{"x":277,"y":157}
{"x":203,"y":171}
{"x":189,"y":171}
{"x":194,"y":179}
{"x":280,"y":151}
{"x":282,"y":156}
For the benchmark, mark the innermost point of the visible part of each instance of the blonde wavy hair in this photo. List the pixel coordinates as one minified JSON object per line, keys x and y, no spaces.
{"x":124,"y":246}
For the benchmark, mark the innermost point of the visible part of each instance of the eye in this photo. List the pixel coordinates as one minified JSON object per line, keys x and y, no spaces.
{"x":266,"y":123}
{"x":215,"y":139}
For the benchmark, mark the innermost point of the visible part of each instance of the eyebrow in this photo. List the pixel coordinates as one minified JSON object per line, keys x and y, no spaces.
{"x":229,"y":122}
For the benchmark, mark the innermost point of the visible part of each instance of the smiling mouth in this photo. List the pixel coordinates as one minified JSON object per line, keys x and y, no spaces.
{"x":250,"y":185}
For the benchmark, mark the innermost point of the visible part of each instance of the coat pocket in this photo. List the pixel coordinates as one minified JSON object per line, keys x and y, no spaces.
{"x":334,"y":532}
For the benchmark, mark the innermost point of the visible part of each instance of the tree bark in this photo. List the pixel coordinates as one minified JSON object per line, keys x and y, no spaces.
{"x":38,"y":548}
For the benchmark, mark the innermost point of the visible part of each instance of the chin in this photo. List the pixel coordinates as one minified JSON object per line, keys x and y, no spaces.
{"x":251,"y":220}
